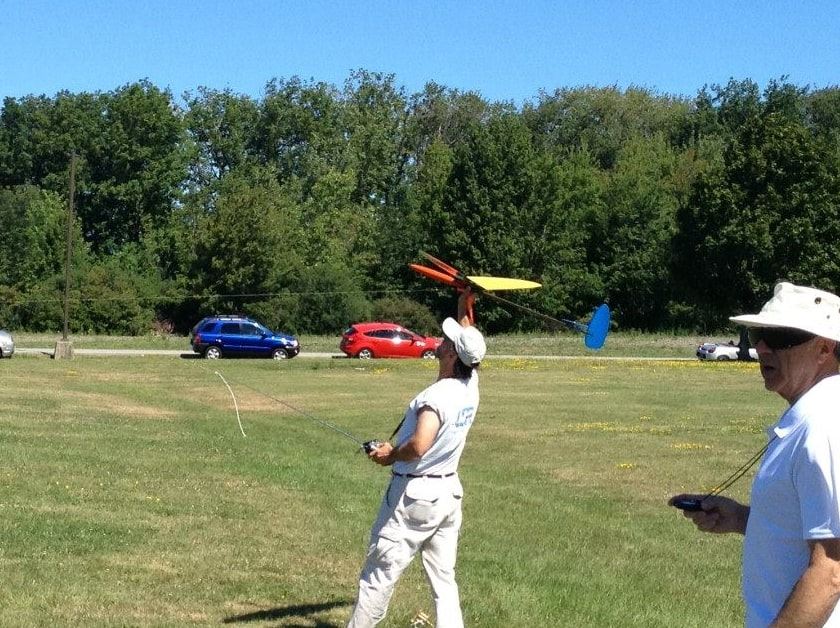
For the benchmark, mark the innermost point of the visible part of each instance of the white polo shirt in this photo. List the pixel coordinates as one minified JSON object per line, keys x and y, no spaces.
{"x":795,"y":498}
{"x":455,"y":401}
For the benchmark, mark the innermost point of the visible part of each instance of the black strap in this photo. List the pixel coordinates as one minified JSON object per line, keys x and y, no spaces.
{"x":397,"y":429}
{"x":740,"y":471}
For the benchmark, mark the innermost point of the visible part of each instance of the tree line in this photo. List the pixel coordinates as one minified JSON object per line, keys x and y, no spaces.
{"x":303,"y":207}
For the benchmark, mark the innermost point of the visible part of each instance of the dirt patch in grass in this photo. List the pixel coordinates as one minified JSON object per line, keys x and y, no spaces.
{"x":247,"y":400}
{"x":124,"y":377}
{"x":116,"y":405}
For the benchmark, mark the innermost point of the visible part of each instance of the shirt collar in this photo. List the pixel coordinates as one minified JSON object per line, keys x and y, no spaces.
{"x":788,"y":422}
{"x":795,"y":414}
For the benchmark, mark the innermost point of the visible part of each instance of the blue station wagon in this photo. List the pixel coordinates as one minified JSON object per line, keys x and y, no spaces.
{"x":215,"y":337}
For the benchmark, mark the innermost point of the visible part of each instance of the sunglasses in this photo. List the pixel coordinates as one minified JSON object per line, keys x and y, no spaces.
{"x":778,"y":338}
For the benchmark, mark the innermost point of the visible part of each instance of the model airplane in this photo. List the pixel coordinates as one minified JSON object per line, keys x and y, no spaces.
{"x":453,"y":277}
{"x":595,"y":331}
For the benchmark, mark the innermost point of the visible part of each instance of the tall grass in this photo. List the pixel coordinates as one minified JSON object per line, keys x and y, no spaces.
{"x":128,"y":495}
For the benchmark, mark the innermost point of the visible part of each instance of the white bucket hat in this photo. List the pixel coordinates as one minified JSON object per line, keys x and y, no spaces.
{"x":469,"y":343}
{"x":798,"y":307}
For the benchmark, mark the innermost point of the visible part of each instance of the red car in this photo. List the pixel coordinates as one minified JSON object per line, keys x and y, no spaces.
{"x":386,"y":340}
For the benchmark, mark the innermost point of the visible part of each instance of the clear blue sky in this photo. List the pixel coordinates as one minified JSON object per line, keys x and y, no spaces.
{"x":503,"y":49}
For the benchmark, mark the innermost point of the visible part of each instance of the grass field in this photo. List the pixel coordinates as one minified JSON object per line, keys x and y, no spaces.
{"x":128,"y":495}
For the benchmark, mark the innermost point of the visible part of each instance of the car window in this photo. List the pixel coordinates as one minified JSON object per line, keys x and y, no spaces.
{"x":230,"y":328}
{"x":208,"y":327}
{"x":406,"y":336}
{"x":249,"y":329}
{"x":380,"y":333}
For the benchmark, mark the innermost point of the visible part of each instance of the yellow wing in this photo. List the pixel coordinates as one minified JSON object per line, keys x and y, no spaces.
{"x":503,"y":283}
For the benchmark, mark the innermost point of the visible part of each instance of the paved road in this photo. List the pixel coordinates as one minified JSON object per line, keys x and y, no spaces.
{"x":144,"y":352}
{"x":315,"y":354}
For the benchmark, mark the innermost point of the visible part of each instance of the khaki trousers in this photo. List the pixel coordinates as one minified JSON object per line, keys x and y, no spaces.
{"x":417,"y":515}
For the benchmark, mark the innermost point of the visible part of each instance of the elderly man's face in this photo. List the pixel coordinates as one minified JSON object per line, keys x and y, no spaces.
{"x":793,"y":371}
{"x":445,"y":348}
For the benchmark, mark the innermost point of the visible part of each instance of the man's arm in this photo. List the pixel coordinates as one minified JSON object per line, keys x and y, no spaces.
{"x":418,"y":444}
{"x":817,"y":591}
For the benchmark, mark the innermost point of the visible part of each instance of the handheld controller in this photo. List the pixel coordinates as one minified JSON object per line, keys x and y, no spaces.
{"x":691,"y":505}
{"x":370,"y":445}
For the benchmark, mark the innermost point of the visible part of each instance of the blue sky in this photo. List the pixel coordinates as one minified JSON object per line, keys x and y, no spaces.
{"x":505,"y":50}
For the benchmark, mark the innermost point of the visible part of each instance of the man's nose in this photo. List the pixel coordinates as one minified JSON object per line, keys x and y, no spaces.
{"x":761,"y":347}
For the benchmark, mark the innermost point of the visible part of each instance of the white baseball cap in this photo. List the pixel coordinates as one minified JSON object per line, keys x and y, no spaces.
{"x":469,"y":343}
{"x":798,"y":307}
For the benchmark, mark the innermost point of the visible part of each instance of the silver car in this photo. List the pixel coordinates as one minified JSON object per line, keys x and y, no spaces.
{"x":7,"y":344}
{"x":722,"y":352}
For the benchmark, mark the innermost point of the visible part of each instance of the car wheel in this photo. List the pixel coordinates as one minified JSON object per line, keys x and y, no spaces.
{"x":279,"y":354}
{"x":365,"y":354}
{"x":723,"y":358}
{"x":213,"y":353}
{"x":428,"y":354}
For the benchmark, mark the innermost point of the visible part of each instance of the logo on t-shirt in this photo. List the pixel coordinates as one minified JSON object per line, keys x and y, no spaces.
{"x":465,"y":417}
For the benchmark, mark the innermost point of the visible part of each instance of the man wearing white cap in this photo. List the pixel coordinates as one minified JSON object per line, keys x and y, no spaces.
{"x":791,"y":561}
{"x":421,"y":509}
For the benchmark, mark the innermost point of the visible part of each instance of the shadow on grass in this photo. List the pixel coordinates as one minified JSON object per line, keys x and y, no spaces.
{"x":300,"y":610}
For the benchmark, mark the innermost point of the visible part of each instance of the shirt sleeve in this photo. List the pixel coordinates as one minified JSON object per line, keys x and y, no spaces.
{"x":433,"y":398}
{"x":816,"y":476}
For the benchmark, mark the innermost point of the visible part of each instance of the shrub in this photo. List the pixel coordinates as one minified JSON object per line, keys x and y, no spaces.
{"x":407,"y":313}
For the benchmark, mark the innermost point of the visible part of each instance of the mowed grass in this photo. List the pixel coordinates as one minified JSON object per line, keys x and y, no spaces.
{"x":128,"y":495}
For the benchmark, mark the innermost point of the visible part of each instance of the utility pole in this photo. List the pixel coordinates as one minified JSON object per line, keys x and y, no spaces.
{"x":64,"y":348}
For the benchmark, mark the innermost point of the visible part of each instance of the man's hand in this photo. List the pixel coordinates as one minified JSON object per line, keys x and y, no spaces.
{"x":718,"y":515}
{"x":382,"y":454}
{"x":466,"y":302}
{"x":418,"y":444}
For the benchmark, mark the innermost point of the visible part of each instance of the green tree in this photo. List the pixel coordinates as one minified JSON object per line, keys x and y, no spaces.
{"x":564,"y":241}
{"x":602,"y":120}
{"x":132,"y":159}
{"x":34,"y":223}
{"x":136,"y":177}
{"x":374,"y":118}
{"x":247,"y":245}
{"x":481,"y":224}
{"x":300,"y":129}
{"x":636,"y":232}
{"x":437,"y":120}
{"x":767,"y":211}
{"x":223,"y":127}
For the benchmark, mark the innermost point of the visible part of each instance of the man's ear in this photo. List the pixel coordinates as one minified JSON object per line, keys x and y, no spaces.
{"x":829,"y":348}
